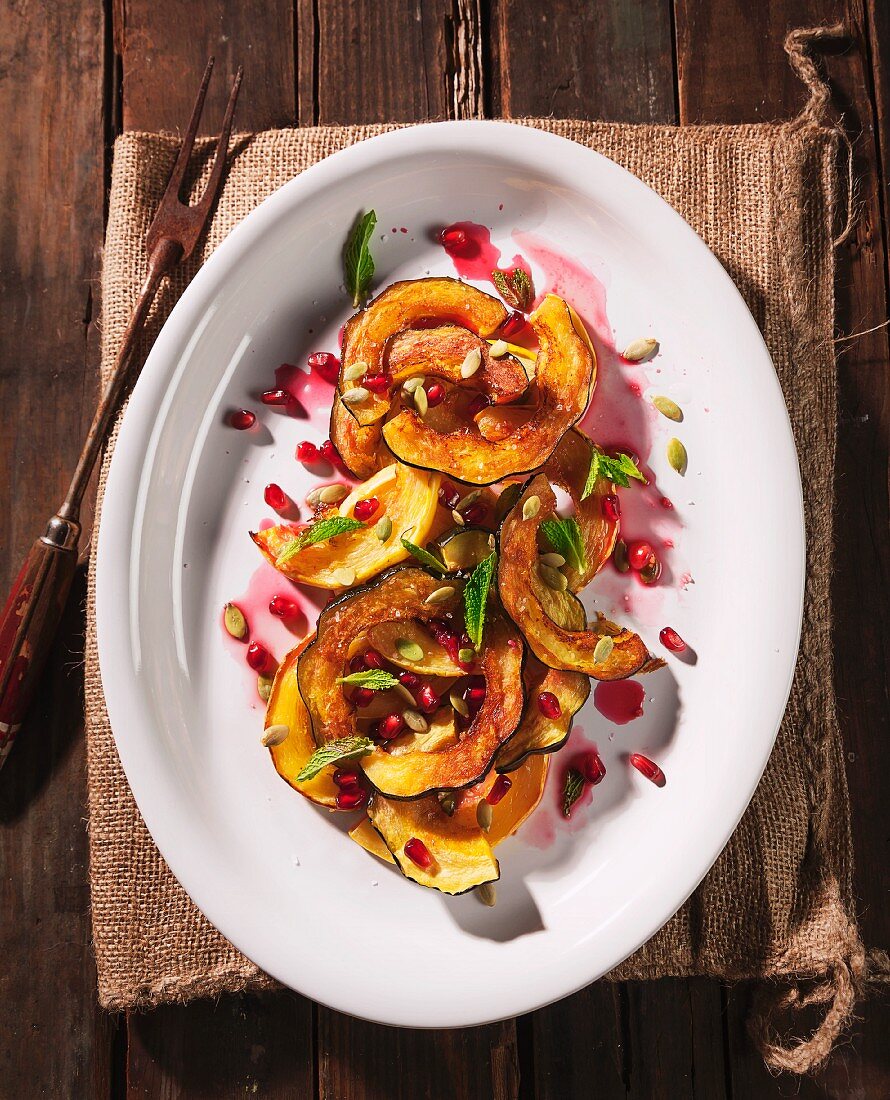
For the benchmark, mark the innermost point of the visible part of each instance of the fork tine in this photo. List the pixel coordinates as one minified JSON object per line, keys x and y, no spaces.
{"x":177,"y":176}
{"x":222,"y":146}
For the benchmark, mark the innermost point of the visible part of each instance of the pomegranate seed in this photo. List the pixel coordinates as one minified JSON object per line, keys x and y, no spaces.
{"x":453,"y":237}
{"x":418,"y":853}
{"x":476,"y":513}
{"x":639,"y":555}
{"x":329,"y":451}
{"x":435,"y":394}
{"x":325,"y":364}
{"x":373,"y":659}
{"x":513,"y":643}
{"x":549,"y":706}
{"x":611,"y":508}
{"x":376,"y":383}
{"x":352,"y":798}
{"x":408,"y":679}
{"x":283,"y":607}
{"x":449,"y":495}
{"x":389,"y":727}
{"x":358,"y":664}
{"x":242,"y":419}
{"x":474,"y":696}
{"x":592,"y":768}
{"x":364,"y":509}
{"x":427,"y":699}
{"x":670,"y":639}
{"x":276,"y":397}
{"x":275,"y":496}
{"x":347,"y":780}
{"x":648,"y":767}
{"x":307,"y":452}
{"x":514,"y":323}
{"x":476,"y":406}
{"x":498,"y":789}
{"x":666,"y":502}
{"x":361,"y":697}
{"x":260,"y":659}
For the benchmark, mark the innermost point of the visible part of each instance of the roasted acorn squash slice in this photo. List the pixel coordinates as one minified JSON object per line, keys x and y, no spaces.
{"x":568,"y":468}
{"x":526,"y":598}
{"x":462,"y":855}
{"x":286,"y":708}
{"x":408,"y":497}
{"x":538,"y":734}
{"x":399,"y":596}
{"x":564,"y":377}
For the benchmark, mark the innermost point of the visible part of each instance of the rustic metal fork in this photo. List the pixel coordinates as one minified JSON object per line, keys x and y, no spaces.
{"x":34,"y":607}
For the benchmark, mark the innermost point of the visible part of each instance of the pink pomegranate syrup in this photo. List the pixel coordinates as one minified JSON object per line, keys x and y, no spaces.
{"x":621,"y":701}
{"x":548,"y":821}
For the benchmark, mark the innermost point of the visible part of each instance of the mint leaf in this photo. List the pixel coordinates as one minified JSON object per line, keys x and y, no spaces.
{"x":424,"y":556}
{"x":572,"y":791}
{"x":476,"y":598}
{"x":564,"y":535}
{"x":357,"y":259}
{"x":515,"y":287}
{"x":347,"y":748}
{"x":319,"y":532}
{"x":377,"y":679}
{"x":617,"y":470}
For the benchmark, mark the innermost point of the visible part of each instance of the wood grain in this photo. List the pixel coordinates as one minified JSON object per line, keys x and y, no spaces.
{"x":54,"y":1041}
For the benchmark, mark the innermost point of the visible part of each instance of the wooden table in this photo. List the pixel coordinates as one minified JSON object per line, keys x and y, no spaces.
{"x":73,"y":74}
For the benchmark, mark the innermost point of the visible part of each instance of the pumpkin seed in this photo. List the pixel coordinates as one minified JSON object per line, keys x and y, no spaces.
{"x":383,"y":528}
{"x":411,"y":651}
{"x":469,"y":499}
{"x":499,"y":349}
{"x":465,"y":656}
{"x":531,"y":507}
{"x":264,"y":687}
{"x":355,"y":396}
{"x":638,"y":350}
{"x":484,"y":814}
{"x":441,"y":595}
{"x":677,"y":456}
{"x":619,"y":556}
{"x":553,"y":560}
{"x":487,"y":894}
{"x":448,"y":802}
{"x":553,"y":578}
{"x":459,"y":705}
{"x":411,"y":384}
{"x":603,"y":649}
{"x":668,"y":408}
{"x":651,"y":572}
{"x":355,"y":370}
{"x":458,"y":518}
{"x":235,"y":622}
{"x":414,"y":720}
{"x":400,"y":689}
{"x":421,"y":402}
{"x":332,"y":494}
{"x":471,"y":364}
{"x":274,"y":735}
{"x":313,"y":497}
{"x":344,"y":577}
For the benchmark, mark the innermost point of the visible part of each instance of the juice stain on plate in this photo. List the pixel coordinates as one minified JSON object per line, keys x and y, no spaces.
{"x":548,"y":821}
{"x":476,"y":257}
{"x":621,"y":701}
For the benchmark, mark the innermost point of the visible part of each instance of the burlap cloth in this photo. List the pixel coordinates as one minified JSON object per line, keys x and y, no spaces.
{"x":777,"y":904}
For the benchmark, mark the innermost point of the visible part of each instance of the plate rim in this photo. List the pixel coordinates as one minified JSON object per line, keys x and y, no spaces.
{"x":113,"y":625}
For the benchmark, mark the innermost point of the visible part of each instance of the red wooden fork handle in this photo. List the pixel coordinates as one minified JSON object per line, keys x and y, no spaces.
{"x":30,"y":620}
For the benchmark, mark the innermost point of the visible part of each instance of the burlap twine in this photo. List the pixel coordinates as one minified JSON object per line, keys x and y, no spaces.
{"x":777,"y":904}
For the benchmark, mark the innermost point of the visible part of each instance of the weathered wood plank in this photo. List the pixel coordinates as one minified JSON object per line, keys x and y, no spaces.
{"x":732,"y":69}
{"x":240,"y":1046}
{"x":54,"y":1040}
{"x":164,"y":46}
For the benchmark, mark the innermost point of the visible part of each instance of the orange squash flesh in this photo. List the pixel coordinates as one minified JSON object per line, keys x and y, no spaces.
{"x":538,"y":734}
{"x":410,"y":500}
{"x":564,"y":377}
{"x":400,"y":595}
{"x":568,"y":468}
{"x":524,"y":596}
{"x":286,"y":708}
